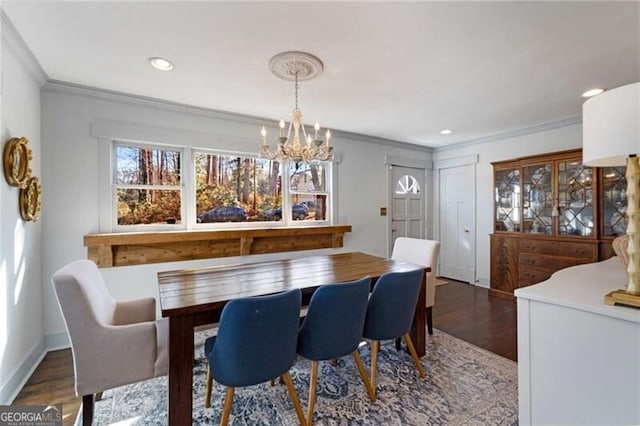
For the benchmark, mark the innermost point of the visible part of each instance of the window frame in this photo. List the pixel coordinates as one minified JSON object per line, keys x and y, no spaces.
{"x":114,"y":186}
{"x":108,"y":199}
{"x":287,"y":219}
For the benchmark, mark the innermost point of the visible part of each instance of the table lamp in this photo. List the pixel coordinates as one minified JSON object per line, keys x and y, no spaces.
{"x":611,"y":137}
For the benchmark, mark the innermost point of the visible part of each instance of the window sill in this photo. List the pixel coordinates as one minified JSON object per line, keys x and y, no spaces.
{"x":139,"y":248}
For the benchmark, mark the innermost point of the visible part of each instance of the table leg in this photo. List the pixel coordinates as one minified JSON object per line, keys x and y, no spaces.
{"x":418,"y":328}
{"x":180,"y":370}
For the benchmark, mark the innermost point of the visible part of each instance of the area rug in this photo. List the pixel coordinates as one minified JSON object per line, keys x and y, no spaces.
{"x":465,"y":385}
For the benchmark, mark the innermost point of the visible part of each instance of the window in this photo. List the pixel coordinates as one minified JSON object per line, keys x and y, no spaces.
{"x":147,"y":185}
{"x":307,"y":186}
{"x":160,"y":187}
{"x":407,"y":184}
{"x":237,"y":189}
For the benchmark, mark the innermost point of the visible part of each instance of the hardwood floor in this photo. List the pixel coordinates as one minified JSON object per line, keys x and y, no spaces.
{"x":461,"y":310}
{"x":470,"y":314}
{"x":53,"y":383}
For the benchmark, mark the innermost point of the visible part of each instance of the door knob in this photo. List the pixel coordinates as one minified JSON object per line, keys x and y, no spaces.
{"x":467,"y":229}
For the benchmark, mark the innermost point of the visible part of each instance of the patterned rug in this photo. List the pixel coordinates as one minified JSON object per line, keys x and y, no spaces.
{"x":465,"y":385}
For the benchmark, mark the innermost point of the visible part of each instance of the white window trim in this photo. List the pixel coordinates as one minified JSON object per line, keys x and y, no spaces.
{"x":114,"y":193}
{"x":107,"y":196}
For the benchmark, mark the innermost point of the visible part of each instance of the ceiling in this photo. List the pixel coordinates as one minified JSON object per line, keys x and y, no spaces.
{"x":396,"y":70}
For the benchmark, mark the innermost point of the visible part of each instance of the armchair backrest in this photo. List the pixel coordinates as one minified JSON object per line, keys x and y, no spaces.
{"x":83,"y":295}
{"x":420,"y":252}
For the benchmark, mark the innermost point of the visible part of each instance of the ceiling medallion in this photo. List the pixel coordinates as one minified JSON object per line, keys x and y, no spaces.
{"x":297,"y":66}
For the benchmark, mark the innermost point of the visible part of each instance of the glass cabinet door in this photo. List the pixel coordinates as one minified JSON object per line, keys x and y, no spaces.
{"x":537,"y":199}
{"x":614,"y":201}
{"x":507,"y":193}
{"x":575,"y":198}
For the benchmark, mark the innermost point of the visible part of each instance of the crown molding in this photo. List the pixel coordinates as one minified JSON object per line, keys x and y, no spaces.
{"x":514,"y":133}
{"x":12,"y":39}
{"x":64,"y":87}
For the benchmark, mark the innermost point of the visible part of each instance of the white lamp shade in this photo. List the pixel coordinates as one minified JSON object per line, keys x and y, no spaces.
{"x":611,"y":126}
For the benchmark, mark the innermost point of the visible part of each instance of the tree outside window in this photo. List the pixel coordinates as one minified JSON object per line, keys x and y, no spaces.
{"x":153,"y":187}
{"x":237,"y":189}
{"x":147,"y":184}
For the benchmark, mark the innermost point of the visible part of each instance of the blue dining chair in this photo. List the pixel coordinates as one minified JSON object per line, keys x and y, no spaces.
{"x":333,"y":328}
{"x":390,"y":314}
{"x":256,"y":342}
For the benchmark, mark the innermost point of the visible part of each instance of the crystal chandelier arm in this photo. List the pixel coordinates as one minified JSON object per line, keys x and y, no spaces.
{"x":297,"y":66}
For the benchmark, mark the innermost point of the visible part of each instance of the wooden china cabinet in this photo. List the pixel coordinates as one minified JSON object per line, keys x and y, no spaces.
{"x":551,"y":212}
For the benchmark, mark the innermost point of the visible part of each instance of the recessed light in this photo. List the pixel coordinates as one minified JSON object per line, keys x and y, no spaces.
{"x":446,"y":131}
{"x":161,"y":64}
{"x":592,"y":92}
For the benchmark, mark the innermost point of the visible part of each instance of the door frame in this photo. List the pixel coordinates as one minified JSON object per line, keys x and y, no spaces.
{"x":464,"y":160}
{"x":426,"y":165}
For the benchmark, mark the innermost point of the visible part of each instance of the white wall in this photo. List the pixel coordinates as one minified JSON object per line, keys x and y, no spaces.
{"x":541,"y":140}
{"x":21,"y":331}
{"x":71,"y":119}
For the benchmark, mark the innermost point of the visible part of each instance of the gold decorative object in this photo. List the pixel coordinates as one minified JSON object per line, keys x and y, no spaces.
{"x":16,"y":161}
{"x":30,"y":202}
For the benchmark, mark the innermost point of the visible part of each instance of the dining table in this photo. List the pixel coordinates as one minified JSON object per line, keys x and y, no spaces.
{"x":194,"y":297}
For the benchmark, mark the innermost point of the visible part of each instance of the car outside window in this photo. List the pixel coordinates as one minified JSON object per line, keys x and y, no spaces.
{"x":162,"y":187}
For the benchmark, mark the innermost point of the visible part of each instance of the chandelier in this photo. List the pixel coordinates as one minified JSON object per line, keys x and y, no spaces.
{"x":296,"y":66}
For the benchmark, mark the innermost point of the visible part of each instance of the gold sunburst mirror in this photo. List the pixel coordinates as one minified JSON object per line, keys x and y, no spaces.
{"x":17,"y":155}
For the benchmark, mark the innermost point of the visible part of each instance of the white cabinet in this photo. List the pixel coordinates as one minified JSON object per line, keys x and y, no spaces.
{"x":578,"y":359}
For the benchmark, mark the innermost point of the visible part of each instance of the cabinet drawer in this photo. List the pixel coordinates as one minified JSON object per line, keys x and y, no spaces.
{"x":560,"y":248}
{"x":549,"y":262}
{"x":533,"y":275}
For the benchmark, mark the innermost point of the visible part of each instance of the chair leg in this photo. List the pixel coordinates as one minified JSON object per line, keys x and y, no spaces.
{"x":375,"y":347}
{"x":87,"y":410}
{"x":334,"y":362}
{"x":363,"y":373}
{"x":414,"y":355}
{"x":312,"y":392}
{"x":294,"y":398}
{"x":207,"y":396}
{"x":97,"y":397}
{"x":228,"y":403}
{"x":398,"y":344}
{"x":429,"y":320}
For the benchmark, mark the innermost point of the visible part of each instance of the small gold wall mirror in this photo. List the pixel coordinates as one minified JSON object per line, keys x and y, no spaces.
{"x":16,"y":162}
{"x":30,"y":199}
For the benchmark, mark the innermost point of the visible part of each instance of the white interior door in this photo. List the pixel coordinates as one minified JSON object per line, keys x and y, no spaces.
{"x":407,"y":203}
{"x":457,"y":223}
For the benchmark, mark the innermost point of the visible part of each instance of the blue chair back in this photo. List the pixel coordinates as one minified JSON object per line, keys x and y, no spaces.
{"x":392,"y":305}
{"x":256,"y":339}
{"x":334,"y":322}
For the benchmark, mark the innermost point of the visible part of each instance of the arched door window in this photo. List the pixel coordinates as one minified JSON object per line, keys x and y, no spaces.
{"x":407,"y":184}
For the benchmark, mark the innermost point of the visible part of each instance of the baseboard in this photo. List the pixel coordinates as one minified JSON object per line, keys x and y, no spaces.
{"x":16,"y":382}
{"x":482,"y":282}
{"x":56,"y":341}
{"x":14,"y":385}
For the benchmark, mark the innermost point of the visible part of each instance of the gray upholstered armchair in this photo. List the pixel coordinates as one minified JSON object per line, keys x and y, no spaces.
{"x":114,"y":343}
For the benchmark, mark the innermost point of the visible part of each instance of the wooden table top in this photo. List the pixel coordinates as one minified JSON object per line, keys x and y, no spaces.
{"x":188,"y":291}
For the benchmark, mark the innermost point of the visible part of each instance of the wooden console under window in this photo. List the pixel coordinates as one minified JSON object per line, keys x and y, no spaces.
{"x":137,"y":248}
